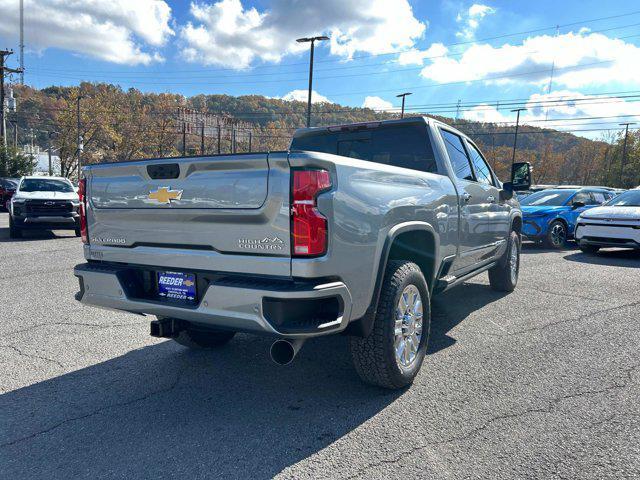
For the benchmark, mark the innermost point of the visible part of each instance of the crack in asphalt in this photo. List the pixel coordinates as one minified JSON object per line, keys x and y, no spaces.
{"x":551,"y":404}
{"x":566,"y":320}
{"x":78,"y":324}
{"x":166,"y":389}
{"x":559,"y":294}
{"x":31,"y":355}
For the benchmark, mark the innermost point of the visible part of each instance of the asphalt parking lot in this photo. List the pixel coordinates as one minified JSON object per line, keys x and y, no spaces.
{"x":541,"y":383}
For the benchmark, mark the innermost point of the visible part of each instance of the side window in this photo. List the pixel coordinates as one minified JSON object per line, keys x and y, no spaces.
{"x":483,"y":172}
{"x":457,"y":155}
{"x":599,"y":197}
{"x":583,"y":197}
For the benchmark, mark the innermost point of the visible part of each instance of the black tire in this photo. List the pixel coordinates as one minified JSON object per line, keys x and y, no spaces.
{"x":504,"y":276}
{"x":591,"y":249}
{"x":14,"y":231}
{"x":557,"y":234}
{"x":204,"y":339}
{"x":374,"y":357}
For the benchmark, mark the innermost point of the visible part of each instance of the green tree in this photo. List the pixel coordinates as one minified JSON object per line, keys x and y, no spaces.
{"x":14,"y":163}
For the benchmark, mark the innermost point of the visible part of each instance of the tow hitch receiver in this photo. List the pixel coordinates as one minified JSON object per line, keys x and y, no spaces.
{"x":166,"y":328}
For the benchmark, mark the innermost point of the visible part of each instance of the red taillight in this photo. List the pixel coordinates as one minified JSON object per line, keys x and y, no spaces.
{"x":309,"y":226}
{"x":82,"y":209}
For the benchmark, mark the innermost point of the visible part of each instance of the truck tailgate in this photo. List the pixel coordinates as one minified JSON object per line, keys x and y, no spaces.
{"x":205,"y":206}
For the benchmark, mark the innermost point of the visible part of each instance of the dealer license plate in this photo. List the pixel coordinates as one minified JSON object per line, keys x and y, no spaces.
{"x":177,"y":286}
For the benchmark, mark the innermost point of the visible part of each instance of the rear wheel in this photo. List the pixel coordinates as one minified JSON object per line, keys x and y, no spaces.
{"x":556,"y":235}
{"x":589,"y":248}
{"x":204,"y":339}
{"x":392,"y":354}
{"x":504,"y":276}
{"x":14,"y":230}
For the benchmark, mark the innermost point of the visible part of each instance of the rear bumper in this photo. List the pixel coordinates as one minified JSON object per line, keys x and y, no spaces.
{"x":283,"y":308}
{"x":625,"y":236}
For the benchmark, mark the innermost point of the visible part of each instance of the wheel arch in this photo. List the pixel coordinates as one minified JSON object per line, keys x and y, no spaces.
{"x":404,"y":241}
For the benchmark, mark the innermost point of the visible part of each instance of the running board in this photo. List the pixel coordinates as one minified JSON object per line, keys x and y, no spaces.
{"x":445,"y":283}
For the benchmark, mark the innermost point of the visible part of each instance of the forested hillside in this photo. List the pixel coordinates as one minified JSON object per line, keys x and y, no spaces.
{"x":120,"y":125}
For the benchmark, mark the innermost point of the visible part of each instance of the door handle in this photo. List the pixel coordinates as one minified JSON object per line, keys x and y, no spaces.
{"x":491,"y":199}
{"x":466,"y":197}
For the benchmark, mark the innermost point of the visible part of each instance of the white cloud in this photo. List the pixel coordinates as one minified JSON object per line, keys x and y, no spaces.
{"x":471,"y":19}
{"x":417,"y":57}
{"x":562,"y":110}
{"x":118,"y":31}
{"x":599,"y":59}
{"x":377,"y":103}
{"x":302,"y":95}
{"x":226,"y":33}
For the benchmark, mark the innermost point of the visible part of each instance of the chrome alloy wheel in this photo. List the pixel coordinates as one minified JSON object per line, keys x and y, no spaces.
{"x":558,"y":235}
{"x":408,"y":326}
{"x":514,"y":259}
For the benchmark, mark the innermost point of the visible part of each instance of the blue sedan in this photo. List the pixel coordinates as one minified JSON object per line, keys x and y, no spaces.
{"x":549,"y":216}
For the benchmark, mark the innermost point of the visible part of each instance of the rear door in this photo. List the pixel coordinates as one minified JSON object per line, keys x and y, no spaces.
{"x":474,"y":231}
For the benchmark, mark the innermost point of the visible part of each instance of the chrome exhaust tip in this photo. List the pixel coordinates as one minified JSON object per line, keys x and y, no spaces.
{"x":284,"y":351}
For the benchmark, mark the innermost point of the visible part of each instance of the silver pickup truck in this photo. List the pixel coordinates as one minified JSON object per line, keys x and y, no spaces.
{"x":350,"y":231}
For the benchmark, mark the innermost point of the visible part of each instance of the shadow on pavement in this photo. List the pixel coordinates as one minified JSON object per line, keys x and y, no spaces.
{"x":32,"y":235}
{"x":166,"y":411}
{"x":448,"y":310}
{"x":613,"y":258}
{"x":529,"y":248}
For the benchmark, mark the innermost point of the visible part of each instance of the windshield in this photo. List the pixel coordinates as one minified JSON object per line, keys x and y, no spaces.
{"x":626,"y":199}
{"x":549,"y":198}
{"x":45,"y":185}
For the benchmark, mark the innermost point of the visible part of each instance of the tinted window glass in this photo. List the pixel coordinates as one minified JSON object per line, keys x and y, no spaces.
{"x":457,"y":155}
{"x":406,"y":146}
{"x":483,"y":172}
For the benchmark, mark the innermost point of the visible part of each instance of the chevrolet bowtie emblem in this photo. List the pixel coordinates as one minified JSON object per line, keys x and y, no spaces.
{"x":165,"y":195}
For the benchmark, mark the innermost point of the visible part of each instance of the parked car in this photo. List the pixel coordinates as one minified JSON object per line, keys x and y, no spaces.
{"x":44,"y":203}
{"x":614,"y":224}
{"x":7,"y":189}
{"x":550,"y":216}
{"x":352,"y":230}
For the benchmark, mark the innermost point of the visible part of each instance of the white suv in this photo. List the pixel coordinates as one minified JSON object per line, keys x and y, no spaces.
{"x":44,"y":203}
{"x":614,"y":224}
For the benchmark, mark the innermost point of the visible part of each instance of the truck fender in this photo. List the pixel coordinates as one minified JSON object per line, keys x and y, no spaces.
{"x":363,"y":326}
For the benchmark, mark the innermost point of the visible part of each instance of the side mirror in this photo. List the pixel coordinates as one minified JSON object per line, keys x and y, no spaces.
{"x":577,"y":204}
{"x":521,"y":176}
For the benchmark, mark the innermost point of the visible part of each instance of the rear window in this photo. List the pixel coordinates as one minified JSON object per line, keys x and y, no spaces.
{"x":406,"y":146}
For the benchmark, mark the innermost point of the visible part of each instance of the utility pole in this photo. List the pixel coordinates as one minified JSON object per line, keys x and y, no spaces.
{"x":79,"y":139}
{"x":515,"y":138}
{"x":458,"y":109}
{"x":219,"y":138}
{"x":184,"y":139}
{"x":624,"y":149}
{"x":21,"y":42}
{"x":311,"y":40}
{"x":3,"y":70}
{"x":233,"y":140}
{"x":250,"y":140}
{"x":202,"y":138}
{"x":403,"y":95}
{"x":14,"y":123}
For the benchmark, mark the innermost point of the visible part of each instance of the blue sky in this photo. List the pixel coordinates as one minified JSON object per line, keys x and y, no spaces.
{"x":441,"y":50}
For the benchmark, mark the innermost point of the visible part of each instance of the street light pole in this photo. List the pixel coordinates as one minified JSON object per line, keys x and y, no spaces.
{"x":80,"y":144}
{"x":403,"y":95}
{"x":624,"y":149}
{"x":515,"y":138}
{"x":311,"y":40}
